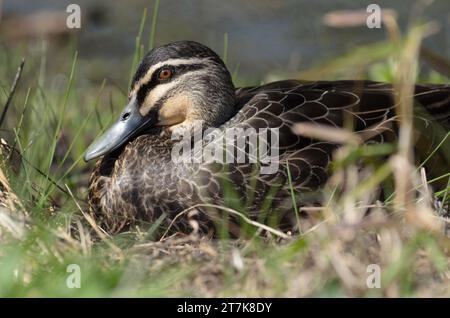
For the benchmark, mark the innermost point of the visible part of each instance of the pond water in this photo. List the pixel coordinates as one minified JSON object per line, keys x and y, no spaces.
{"x":263,"y":35}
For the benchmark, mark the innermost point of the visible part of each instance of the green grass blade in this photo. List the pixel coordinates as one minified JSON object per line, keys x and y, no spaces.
{"x":151,"y":41}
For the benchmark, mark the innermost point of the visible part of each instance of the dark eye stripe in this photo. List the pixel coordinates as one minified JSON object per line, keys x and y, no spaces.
{"x":177,"y":71}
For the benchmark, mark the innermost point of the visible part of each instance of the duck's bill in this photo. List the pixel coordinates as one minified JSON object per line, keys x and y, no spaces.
{"x":128,"y":125}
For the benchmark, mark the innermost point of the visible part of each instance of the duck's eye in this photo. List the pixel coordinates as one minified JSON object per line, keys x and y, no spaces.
{"x":165,"y":74}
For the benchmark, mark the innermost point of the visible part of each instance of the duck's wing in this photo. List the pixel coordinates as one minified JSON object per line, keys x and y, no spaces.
{"x":363,"y":106}
{"x":367,"y":107}
{"x":277,"y":107}
{"x":435,"y":98}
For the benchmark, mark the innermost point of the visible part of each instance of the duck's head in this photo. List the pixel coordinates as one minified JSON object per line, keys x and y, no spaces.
{"x":174,"y":85}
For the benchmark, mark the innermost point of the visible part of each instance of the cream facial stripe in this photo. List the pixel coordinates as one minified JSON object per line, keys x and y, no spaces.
{"x":173,"y":62}
{"x":161,"y":90}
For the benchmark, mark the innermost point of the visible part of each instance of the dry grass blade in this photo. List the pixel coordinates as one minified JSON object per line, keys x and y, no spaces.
{"x":404,"y":84}
{"x":328,"y":133}
{"x":352,"y":18}
{"x":231,"y":211}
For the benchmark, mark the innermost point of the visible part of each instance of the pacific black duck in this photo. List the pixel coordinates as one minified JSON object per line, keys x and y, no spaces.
{"x":179,"y":84}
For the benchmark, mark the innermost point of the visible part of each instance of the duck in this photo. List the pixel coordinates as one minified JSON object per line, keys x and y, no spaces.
{"x":176,"y":86}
